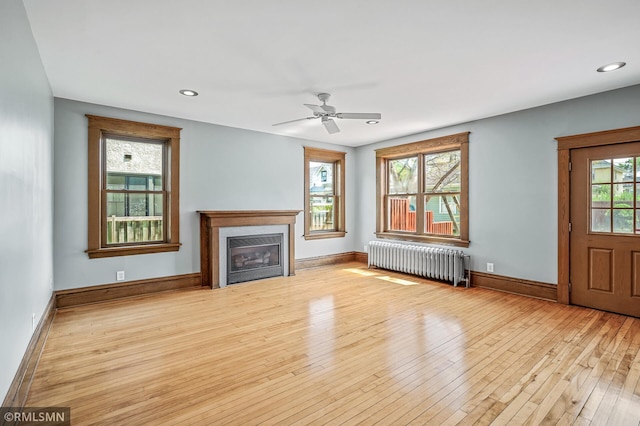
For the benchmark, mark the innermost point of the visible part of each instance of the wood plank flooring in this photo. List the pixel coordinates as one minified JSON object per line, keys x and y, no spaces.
{"x":341,"y":345}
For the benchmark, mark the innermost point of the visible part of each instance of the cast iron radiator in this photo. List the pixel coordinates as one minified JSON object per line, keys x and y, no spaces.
{"x":428,"y":262}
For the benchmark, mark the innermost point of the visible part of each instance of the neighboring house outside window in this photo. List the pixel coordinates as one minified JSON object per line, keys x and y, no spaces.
{"x":324,"y":173}
{"x":423,"y":191}
{"x":133,"y":188}
{"x":442,"y":208}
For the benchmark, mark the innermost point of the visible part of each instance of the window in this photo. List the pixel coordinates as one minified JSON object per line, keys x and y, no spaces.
{"x":324,"y":193}
{"x":614,"y":209}
{"x":422,"y":191}
{"x":133,"y":188}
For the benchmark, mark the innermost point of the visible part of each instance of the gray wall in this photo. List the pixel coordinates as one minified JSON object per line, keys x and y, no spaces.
{"x":512,"y":179}
{"x":26,"y":149}
{"x":221,"y":168}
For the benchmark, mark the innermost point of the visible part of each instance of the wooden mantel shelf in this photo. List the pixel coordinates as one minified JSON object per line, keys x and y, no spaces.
{"x":212,"y":220}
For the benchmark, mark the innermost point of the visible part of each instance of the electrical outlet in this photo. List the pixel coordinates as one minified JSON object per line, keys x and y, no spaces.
{"x":33,"y":321}
{"x":489,"y":267}
{"x":120,"y":276}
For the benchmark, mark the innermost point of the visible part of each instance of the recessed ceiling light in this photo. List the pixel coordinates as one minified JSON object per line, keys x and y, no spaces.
{"x":372,"y":122}
{"x":188,"y":92}
{"x":612,"y":67}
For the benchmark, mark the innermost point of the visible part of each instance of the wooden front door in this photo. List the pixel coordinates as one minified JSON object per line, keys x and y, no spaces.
{"x":605,"y":228}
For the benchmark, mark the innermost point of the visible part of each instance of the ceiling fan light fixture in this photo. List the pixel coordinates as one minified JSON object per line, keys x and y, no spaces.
{"x":188,"y":92}
{"x":372,"y":121}
{"x":611,"y":67}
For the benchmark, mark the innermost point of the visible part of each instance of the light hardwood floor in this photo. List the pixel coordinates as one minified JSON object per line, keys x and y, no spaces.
{"x":340,"y":345}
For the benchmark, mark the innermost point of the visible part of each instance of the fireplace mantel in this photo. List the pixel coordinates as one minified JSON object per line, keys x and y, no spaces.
{"x":212,"y":220}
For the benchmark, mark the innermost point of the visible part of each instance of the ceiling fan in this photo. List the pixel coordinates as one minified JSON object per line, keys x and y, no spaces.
{"x":326,"y":114}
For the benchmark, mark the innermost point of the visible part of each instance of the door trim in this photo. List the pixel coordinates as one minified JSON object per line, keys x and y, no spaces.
{"x":565,"y":145}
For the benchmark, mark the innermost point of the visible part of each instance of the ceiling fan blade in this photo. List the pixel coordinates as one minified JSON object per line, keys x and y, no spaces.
{"x":293,"y":121}
{"x":315,"y":108}
{"x":360,"y":115}
{"x":328,"y":108}
{"x":330,"y":125}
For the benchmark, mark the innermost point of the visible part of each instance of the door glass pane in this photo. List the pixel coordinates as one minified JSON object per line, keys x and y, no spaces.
{"x":614,"y":198}
{"x":623,"y":170}
{"x":442,"y":215}
{"x":442,"y":172}
{"x":623,"y":221}
{"x":403,"y":176}
{"x":601,"y":195}
{"x":601,"y":171}
{"x":637,"y":221}
{"x":601,"y":220}
{"x":321,"y":178}
{"x":322,"y":214}
{"x":623,"y":195}
{"x":401,"y":213}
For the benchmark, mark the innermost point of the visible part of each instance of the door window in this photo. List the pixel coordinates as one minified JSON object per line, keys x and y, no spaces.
{"x":614,"y":195}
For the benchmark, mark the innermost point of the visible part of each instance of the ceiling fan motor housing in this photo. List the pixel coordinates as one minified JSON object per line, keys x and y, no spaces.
{"x":324,"y":97}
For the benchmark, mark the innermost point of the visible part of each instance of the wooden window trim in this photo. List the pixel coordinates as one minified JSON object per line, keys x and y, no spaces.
{"x":98,"y":128}
{"x":327,"y":156}
{"x":445,"y":143}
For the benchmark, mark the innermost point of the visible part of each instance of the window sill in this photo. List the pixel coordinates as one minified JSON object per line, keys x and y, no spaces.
{"x":423,"y":239}
{"x":323,"y":235}
{"x":132,"y":250}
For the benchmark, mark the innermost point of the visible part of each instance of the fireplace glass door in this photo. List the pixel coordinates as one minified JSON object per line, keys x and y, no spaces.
{"x":253,"y":257}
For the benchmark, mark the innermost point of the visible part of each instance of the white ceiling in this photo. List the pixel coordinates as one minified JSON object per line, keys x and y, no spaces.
{"x":422,"y":64}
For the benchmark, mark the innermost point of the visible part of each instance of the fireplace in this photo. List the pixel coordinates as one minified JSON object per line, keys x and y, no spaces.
{"x":217,"y":226}
{"x":254,"y":257}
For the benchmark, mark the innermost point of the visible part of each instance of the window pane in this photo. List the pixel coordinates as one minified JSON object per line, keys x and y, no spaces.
{"x":115,"y":181}
{"x":134,"y":218}
{"x":403,"y":176}
{"x":623,"y":195}
{"x":321,"y":178}
{"x":124,"y":204}
{"x":601,"y":220}
{"x":601,"y":171}
{"x":138,"y":160}
{"x":637,"y":221}
{"x":600,"y":195}
{"x":137,"y":183}
{"x":623,"y":221}
{"x":623,"y":170}
{"x":138,"y":204}
{"x":115,"y":205}
{"x":402,"y":213}
{"x":442,"y":172}
{"x":442,"y":215}
{"x":322,"y":214}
